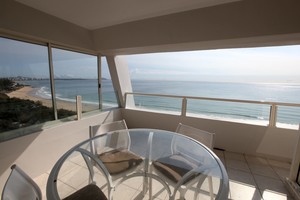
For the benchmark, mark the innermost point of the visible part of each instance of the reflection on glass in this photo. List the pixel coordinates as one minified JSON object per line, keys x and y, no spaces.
{"x":25,"y":98}
{"x":75,"y":74}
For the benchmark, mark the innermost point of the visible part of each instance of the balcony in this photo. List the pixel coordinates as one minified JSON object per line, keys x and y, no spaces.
{"x":254,"y":174}
{"x":241,"y":111}
{"x":251,"y":177}
{"x":256,"y":155}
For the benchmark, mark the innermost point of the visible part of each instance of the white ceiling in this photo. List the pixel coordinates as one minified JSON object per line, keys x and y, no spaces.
{"x":93,"y":14}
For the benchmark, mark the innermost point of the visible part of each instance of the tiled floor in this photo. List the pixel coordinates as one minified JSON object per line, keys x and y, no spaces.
{"x":253,"y":178}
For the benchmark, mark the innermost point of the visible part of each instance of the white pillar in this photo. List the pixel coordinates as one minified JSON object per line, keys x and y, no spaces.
{"x":296,"y":160}
{"x":119,"y":72}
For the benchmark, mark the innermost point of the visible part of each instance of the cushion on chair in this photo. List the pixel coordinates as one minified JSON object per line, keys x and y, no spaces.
{"x":175,"y":167}
{"x":118,"y":161}
{"x":88,"y":192}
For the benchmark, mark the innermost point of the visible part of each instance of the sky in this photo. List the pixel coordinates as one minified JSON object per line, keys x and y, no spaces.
{"x":267,"y":64}
{"x":264,"y":64}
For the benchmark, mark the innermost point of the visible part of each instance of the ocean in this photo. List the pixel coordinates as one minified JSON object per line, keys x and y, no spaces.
{"x":270,"y":92}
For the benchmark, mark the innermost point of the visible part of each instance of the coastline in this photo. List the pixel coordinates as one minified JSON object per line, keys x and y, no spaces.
{"x":29,"y":93}
{"x":26,"y":93}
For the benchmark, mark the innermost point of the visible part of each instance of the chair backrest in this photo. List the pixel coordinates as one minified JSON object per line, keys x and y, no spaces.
{"x":107,"y":127}
{"x":204,"y":137}
{"x":20,"y":186}
{"x":114,"y":140}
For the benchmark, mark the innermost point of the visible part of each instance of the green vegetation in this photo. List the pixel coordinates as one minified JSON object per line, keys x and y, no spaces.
{"x":6,"y":85}
{"x":17,"y":113}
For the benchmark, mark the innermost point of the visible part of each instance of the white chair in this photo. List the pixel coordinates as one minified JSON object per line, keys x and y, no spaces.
{"x":20,"y":186}
{"x":204,"y":137}
{"x":114,"y":151}
{"x":183,"y":156}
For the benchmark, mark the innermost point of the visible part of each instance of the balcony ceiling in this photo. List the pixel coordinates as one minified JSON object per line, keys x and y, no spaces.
{"x":94,"y":14}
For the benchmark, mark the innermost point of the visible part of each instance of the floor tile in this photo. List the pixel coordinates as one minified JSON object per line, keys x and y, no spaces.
{"x":271,"y":195}
{"x":270,"y":187}
{"x":234,"y":156}
{"x":124,"y":192}
{"x":256,"y":160}
{"x":264,"y":170}
{"x":250,"y":177}
{"x":42,"y":179}
{"x":282,"y":173}
{"x":280,"y":164}
{"x":64,"y":190}
{"x":242,"y":191}
{"x":237,"y":164}
{"x":241,"y":177}
{"x":76,"y":177}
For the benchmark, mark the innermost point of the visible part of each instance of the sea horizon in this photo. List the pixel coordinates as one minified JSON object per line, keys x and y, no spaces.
{"x":67,"y":89}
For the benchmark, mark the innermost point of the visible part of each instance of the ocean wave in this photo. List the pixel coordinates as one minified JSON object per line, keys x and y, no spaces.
{"x":43,"y":92}
{"x":218,"y":116}
{"x":105,"y":104}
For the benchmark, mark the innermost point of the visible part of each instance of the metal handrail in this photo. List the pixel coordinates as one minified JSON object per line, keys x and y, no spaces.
{"x":273,"y":105}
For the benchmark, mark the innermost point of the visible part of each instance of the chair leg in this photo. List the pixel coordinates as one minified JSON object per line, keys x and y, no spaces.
{"x":198,"y":187}
{"x":211,"y":190}
{"x":150,"y":187}
{"x":145,"y":185}
{"x":110,"y":192}
{"x":182,"y":191}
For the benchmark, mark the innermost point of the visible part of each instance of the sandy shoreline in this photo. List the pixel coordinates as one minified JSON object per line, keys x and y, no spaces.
{"x":26,"y":93}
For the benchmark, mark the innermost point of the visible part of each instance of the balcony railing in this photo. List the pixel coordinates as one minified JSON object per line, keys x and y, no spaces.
{"x":273,"y":114}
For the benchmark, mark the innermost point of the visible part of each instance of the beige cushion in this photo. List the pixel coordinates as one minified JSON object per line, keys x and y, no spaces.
{"x":88,"y":192}
{"x":118,"y":161}
{"x":175,"y":167}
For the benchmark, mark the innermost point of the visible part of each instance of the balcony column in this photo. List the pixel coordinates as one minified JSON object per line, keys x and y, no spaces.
{"x":293,"y":180}
{"x":273,"y":115}
{"x":296,"y":160}
{"x":119,"y":72}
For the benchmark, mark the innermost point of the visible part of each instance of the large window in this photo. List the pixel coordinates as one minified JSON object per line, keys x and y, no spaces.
{"x":24,"y":79}
{"x":26,"y":100}
{"x":266,"y":74}
{"x":75,"y":74}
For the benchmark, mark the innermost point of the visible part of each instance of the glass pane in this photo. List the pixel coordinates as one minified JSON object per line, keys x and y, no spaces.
{"x":269,"y":74}
{"x":109,"y":99}
{"x":25,"y":97}
{"x":154,"y":103}
{"x":239,"y":112}
{"x":288,"y":117}
{"x":75,"y":74}
{"x":298,"y":176}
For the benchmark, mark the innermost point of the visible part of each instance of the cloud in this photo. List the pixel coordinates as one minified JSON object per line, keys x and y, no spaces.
{"x":244,"y":62}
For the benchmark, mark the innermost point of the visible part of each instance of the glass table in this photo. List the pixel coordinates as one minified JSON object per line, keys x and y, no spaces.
{"x":140,"y":164}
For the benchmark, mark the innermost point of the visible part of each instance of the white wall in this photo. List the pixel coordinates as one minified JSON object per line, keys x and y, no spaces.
{"x":235,"y":137}
{"x":38,"y":152}
{"x":26,"y":22}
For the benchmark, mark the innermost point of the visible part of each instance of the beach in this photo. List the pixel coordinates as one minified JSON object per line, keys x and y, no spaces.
{"x":26,"y":92}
